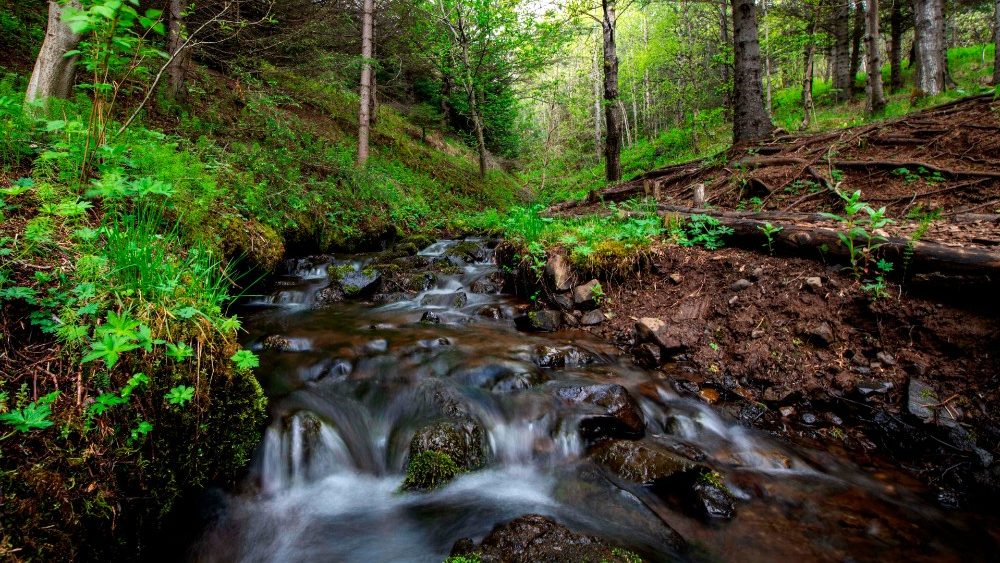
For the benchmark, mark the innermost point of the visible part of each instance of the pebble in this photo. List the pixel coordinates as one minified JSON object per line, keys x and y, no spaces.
{"x":808,"y":418}
{"x":676,"y":278}
{"x":814,"y":283}
{"x":741,"y":284}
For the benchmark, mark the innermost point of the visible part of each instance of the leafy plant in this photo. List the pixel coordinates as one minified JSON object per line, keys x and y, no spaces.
{"x":34,"y":416}
{"x":769,"y":231}
{"x":245,"y":359}
{"x":179,"y":352}
{"x":180,"y":395}
{"x":703,"y":230}
{"x":860,"y":221}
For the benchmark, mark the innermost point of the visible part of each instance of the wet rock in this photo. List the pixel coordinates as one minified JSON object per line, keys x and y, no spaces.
{"x":868,"y":388}
{"x":563,"y":300}
{"x":421,"y":281}
{"x":710,"y":499}
{"x":585,"y":296}
{"x":542,"y":321}
{"x":328,"y":296}
{"x":378,"y":346}
{"x":740,"y":285}
{"x":429,"y":470}
{"x":461,"y":439}
{"x":454,"y":300}
{"x":389,"y":298}
{"x":468,"y":251}
{"x":620,"y":418}
{"x":490,"y":312}
{"x":360,"y":283}
{"x":406,"y":248}
{"x":559,"y":272}
{"x":647,"y":355}
{"x":820,"y":333}
{"x":642,"y":461}
{"x":487,"y":285}
{"x":808,"y":418}
{"x":277,"y":343}
{"x":592,"y":318}
{"x":500,"y":377}
{"x":533,"y":538}
{"x":787,"y":411}
{"x":671,"y":337}
{"x":558,"y":357}
{"x":430,"y":318}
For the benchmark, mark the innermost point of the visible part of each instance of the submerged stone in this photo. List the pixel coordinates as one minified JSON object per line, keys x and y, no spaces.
{"x":621,"y":418}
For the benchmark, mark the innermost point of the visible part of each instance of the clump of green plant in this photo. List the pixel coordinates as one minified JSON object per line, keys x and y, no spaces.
{"x":910,"y":176}
{"x":925,"y":218}
{"x":703,"y":230}
{"x":860,"y":221}
{"x":429,"y":470}
{"x":877,"y":287}
{"x":597,"y":294}
{"x":769,"y":231}
{"x":29,"y":416}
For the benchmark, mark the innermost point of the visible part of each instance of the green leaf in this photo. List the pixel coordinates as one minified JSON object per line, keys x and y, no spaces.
{"x":180,"y":395}
{"x":245,"y":359}
{"x":179,"y":352}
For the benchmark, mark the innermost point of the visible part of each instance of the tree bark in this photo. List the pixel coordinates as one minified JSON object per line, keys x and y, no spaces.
{"x":929,"y":44}
{"x":612,"y":109}
{"x":996,"y":44}
{"x":896,"y":46}
{"x":808,"y":71}
{"x":874,"y":96}
{"x":842,"y":50}
{"x":598,"y":140}
{"x":365,"y":91}
{"x":180,"y":54}
{"x":856,"y":36}
{"x":727,"y":101}
{"x":54,"y":72}
{"x":750,"y":118}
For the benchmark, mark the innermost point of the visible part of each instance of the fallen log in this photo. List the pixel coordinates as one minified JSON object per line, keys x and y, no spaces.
{"x":800,"y":238}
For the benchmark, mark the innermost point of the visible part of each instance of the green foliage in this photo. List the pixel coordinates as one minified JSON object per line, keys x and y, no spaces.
{"x":245,"y":360}
{"x":769,"y":231}
{"x":180,"y":395}
{"x":34,"y":416}
{"x":429,"y":470}
{"x":860,"y":221}
{"x":703,"y":230}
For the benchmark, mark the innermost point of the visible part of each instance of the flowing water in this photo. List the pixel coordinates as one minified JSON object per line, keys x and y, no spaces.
{"x":353,"y":383}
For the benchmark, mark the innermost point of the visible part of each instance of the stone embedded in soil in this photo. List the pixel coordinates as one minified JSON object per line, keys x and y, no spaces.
{"x":621,"y":416}
{"x":647,"y":355}
{"x":585,"y":296}
{"x":563,"y":300}
{"x":923,"y":403}
{"x":676,"y":278}
{"x":820,"y":333}
{"x":643,"y":461}
{"x":454,"y":300}
{"x":886,"y":358}
{"x":671,"y":337}
{"x":559,"y":273}
{"x":815,"y":284}
{"x":532,"y":538}
{"x":741,"y":284}
{"x":592,"y":318}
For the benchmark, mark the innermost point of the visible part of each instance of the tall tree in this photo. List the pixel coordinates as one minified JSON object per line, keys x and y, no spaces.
{"x":896,"y":46}
{"x":856,"y":35}
{"x":54,"y":72}
{"x":842,"y":49}
{"x":365,"y":91}
{"x":750,"y":118}
{"x":929,"y":46}
{"x":177,"y":48}
{"x":996,"y":44}
{"x":612,"y":109}
{"x":875,"y":99}
{"x":808,"y":70}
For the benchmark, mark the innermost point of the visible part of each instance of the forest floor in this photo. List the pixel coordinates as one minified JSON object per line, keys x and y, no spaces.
{"x":889,"y":362}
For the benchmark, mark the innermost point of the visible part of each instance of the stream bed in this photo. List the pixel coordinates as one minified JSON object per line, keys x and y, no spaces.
{"x":352,"y":383}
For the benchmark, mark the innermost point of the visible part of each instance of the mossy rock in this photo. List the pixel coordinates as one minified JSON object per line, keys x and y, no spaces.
{"x":420,"y":241}
{"x":429,"y":470}
{"x":406,"y":249}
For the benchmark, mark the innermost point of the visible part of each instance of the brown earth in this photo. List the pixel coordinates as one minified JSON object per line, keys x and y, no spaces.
{"x":796,"y":345}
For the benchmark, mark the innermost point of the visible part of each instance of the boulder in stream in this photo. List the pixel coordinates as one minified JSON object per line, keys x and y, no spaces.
{"x":357,"y":283}
{"x":533,"y":538}
{"x":454,"y":300}
{"x":559,"y":272}
{"x":441,"y":451}
{"x":586,"y":296}
{"x":620,"y":415}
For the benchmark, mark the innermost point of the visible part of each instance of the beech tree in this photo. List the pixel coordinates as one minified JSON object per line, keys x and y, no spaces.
{"x":365,"y":92}
{"x":929,"y":46}
{"x":54,"y":72}
{"x":750,"y":118}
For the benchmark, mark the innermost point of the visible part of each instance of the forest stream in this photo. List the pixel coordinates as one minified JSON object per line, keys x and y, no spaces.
{"x":549,"y":421}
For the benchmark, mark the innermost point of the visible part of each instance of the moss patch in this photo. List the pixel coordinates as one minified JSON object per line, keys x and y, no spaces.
{"x":429,"y":470}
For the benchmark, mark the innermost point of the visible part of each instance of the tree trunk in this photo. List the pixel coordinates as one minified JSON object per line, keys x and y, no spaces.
{"x":856,"y":35}
{"x":896,"y":47}
{"x":727,"y":101}
{"x":767,"y":61}
{"x":179,"y":53}
{"x":808,"y":70}
{"x":54,"y":72}
{"x":598,"y":140}
{"x":875,"y":98}
{"x":996,"y":44}
{"x":750,"y":119}
{"x":929,"y":44}
{"x":612,"y":108}
{"x":365,"y":92}
{"x":842,"y":50}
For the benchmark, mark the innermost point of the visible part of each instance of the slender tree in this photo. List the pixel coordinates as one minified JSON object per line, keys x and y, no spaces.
{"x":929,"y":45}
{"x":896,"y":46}
{"x":612,"y":109}
{"x":996,"y":44}
{"x":808,"y":71}
{"x":842,"y":49}
{"x":54,"y":72}
{"x":856,"y":35}
{"x":875,"y":99}
{"x":178,"y":48}
{"x":750,"y":118}
{"x":365,"y":91}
